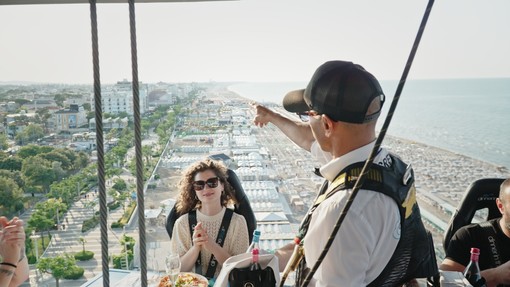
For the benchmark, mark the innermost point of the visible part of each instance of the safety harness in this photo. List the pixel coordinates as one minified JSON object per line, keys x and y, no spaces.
{"x":414,"y":256}
{"x":220,"y":239}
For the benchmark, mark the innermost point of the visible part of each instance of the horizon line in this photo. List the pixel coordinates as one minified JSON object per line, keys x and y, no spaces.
{"x":29,"y":82}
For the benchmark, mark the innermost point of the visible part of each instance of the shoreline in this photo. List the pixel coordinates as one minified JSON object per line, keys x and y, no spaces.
{"x":441,"y":176}
{"x":505,"y":164}
{"x":429,"y":162}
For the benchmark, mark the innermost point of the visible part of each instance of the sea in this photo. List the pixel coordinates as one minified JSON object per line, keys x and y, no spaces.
{"x":466,"y":116}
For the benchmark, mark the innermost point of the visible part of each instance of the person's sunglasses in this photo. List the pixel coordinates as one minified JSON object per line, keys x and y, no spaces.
{"x":304,"y":116}
{"x":211,"y":183}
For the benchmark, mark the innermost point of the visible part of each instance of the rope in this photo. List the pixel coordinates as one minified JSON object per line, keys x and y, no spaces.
{"x":138,"y":147}
{"x":377,"y":145}
{"x":100,"y":148}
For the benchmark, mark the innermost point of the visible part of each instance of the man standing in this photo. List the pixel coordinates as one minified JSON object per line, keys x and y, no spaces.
{"x":342,"y":102}
{"x":493,"y":240}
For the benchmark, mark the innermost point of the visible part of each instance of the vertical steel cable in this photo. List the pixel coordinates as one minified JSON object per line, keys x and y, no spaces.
{"x":138,"y":146}
{"x":377,"y":145}
{"x":100,"y":148}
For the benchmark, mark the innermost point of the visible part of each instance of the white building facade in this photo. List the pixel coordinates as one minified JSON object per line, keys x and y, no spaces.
{"x":119,"y":99}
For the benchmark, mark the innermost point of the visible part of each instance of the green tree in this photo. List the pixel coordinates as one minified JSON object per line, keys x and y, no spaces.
{"x":4,"y":145}
{"x":122,"y":115}
{"x":87,"y":107}
{"x":82,"y":242}
{"x":42,"y":117}
{"x":113,"y":133}
{"x":59,"y":267}
{"x":59,"y":99}
{"x":147,"y":153}
{"x":11,"y":196}
{"x":37,"y":171}
{"x":21,"y":102}
{"x":64,"y":189}
{"x":13,"y":163}
{"x":55,"y":207}
{"x":58,"y":157}
{"x":145,"y":126}
{"x":119,"y":184}
{"x":91,"y":115}
{"x":14,"y":175}
{"x":40,"y":222}
{"x":31,"y":133}
{"x":33,"y":150}
{"x":81,"y":161}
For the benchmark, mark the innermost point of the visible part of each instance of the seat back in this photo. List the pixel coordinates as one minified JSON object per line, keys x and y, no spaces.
{"x":479,"y":195}
{"x":243,"y":207}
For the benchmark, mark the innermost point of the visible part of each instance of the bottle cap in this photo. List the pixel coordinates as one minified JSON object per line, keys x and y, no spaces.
{"x":255,"y":251}
{"x":256,"y":232}
{"x":475,"y":250}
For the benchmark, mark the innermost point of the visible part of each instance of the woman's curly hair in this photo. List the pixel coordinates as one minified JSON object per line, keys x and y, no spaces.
{"x":188,"y":199}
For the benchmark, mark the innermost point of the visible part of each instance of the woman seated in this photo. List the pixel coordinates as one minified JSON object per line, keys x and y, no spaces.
{"x":208,"y":233}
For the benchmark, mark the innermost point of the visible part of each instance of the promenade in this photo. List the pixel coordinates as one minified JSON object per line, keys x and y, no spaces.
{"x":67,"y":241}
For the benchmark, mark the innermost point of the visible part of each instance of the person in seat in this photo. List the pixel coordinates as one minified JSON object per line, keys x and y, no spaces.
{"x":208,"y":232}
{"x":491,"y":237}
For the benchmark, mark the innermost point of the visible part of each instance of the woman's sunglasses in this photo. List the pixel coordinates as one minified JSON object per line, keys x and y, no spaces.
{"x":211,"y":182}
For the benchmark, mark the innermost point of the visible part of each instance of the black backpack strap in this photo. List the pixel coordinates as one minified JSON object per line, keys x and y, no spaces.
{"x":192,"y":220}
{"x":490,"y":233}
{"x":414,"y":256}
{"x":220,"y":239}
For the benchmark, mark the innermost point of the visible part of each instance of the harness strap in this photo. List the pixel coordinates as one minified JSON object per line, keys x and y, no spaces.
{"x":220,"y":239}
{"x":490,"y":234}
{"x":344,"y":180}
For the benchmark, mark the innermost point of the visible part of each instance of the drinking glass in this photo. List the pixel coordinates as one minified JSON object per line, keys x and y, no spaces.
{"x":173,"y":266}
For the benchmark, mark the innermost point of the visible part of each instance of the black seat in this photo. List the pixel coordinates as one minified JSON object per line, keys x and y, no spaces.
{"x":479,"y":195}
{"x":243,"y":207}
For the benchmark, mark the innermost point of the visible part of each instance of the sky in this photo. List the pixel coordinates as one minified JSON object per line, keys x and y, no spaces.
{"x":254,"y":40}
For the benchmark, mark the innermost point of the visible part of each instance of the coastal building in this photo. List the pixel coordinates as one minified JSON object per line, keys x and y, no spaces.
{"x":37,"y":104}
{"x":69,"y":119}
{"x":110,"y":123}
{"x":85,"y":141}
{"x":9,"y":107}
{"x":119,"y":98}
{"x":160,"y":94}
{"x":15,"y":123}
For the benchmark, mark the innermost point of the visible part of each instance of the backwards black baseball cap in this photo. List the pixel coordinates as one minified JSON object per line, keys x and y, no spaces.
{"x":342,"y":90}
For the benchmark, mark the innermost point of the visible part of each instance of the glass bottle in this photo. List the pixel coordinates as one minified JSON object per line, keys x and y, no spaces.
{"x":255,"y":265}
{"x":472,"y":271}
{"x":255,"y":242}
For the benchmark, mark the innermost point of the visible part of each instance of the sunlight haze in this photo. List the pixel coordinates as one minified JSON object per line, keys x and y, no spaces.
{"x":254,"y":40}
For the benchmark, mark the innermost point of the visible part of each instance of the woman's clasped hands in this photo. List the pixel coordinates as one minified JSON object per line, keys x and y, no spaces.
{"x":200,"y":236}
